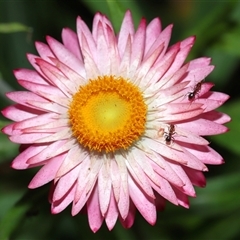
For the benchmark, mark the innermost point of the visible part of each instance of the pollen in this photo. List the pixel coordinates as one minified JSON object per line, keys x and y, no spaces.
{"x":108,"y":114}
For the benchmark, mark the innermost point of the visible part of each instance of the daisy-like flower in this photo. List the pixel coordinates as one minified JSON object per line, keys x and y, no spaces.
{"x":116,"y":120}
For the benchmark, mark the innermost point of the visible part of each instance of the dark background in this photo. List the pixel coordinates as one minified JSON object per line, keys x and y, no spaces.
{"x":215,"y":213}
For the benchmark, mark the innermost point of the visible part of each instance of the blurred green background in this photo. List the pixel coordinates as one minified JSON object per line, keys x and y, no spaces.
{"x":215,"y":213}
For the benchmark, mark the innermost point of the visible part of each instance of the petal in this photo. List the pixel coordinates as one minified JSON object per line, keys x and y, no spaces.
{"x":20,"y":162}
{"x":112,"y":213}
{"x":74,"y":157}
{"x":164,"y":188}
{"x":115,"y":179}
{"x":163,"y":38}
{"x":44,"y":51}
{"x":52,"y":150}
{"x":139,"y":176}
{"x":95,"y":218}
{"x":90,"y":168}
{"x":197,"y":178}
{"x":65,"y":55}
{"x":123,"y":203}
{"x":104,"y":59}
{"x":144,"y":204}
{"x":61,"y":204}
{"x":54,"y":75}
{"x":65,"y":183}
{"x":138,"y":46}
{"x":30,"y":76}
{"x":47,"y":172}
{"x":70,"y":41}
{"x":83,"y":32}
{"x":204,"y":153}
{"x":152,"y":32}
{"x":19,"y":112}
{"x":203,"y":126}
{"x":182,"y":198}
{"x":162,"y":168}
{"x":188,"y":187}
{"x":185,"y":47}
{"x":129,"y":220}
{"x":126,"y":30}
{"x":104,"y":187}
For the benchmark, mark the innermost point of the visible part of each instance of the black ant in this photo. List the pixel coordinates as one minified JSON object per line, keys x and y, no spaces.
{"x":196,"y":90}
{"x":169,"y":135}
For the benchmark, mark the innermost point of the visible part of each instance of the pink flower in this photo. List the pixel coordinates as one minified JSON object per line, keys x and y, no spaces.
{"x":116,"y":121}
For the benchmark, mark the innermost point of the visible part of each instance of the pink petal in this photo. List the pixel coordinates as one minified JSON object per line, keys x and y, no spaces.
{"x":127,"y":30}
{"x":19,"y":112}
{"x":162,"y":150}
{"x":76,"y":79}
{"x":123,"y":203}
{"x":84,"y":32}
{"x":30,"y":76}
{"x":95,"y":218}
{"x":47,"y":172}
{"x":51,"y":93}
{"x":85,"y":184}
{"x":61,"y":204}
{"x":103,"y":59}
{"x":28,"y":138}
{"x":164,"y":188}
{"x":197,"y":178}
{"x":144,"y":163}
{"x":59,"y":135}
{"x":139,"y":176}
{"x":188,"y":137}
{"x":86,"y":180}
{"x":104,"y":188}
{"x":32,"y":100}
{"x":188,"y":187}
{"x":143,"y":203}
{"x":152,"y":32}
{"x":204,"y":153}
{"x":20,"y":162}
{"x":163,"y":38}
{"x":125,"y":61}
{"x":65,"y":183}
{"x":52,"y":150}
{"x":91,"y":68}
{"x":191,"y":160}
{"x":32,"y":59}
{"x":199,"y":74}
{"x":138,"y":46}
{"x":221,"y":118}
{"x":36,"y":121}
{"x":162,"y":168}
{"x":144,"y":72}
{"x":199,"y":63}
{"x":161,"y":67}
{"x":182,"y":198}
{"x":56,"y":77}
{"x":129,"y":220}
{"x":44,"y":51}
{"x":70,"y":41}
{"x":112,"y":213}
{"x":10,"y":130}
{"x":204,"y":127}
{"x":115,"y":179}
{"x":65,"y":55}
{"x":74,"y":157}
{"x":181,"y":56}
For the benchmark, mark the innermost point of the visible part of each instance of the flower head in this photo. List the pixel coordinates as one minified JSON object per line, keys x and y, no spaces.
{"x":116,"y":121}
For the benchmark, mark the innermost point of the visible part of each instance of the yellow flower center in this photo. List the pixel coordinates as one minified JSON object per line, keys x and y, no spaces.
{"x":108,"y":114}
